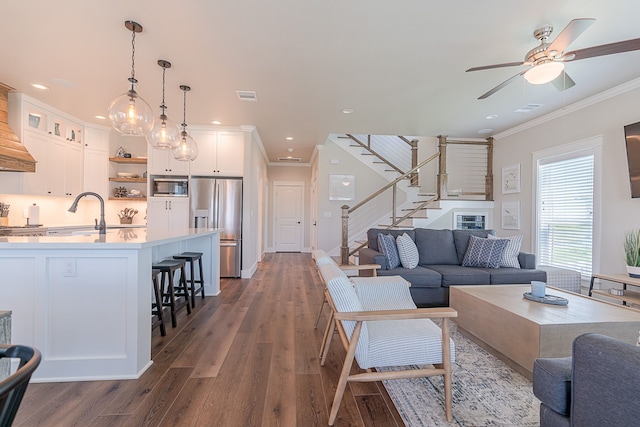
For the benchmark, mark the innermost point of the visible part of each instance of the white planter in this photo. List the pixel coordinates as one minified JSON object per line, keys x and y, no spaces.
{"x":633,"y":271}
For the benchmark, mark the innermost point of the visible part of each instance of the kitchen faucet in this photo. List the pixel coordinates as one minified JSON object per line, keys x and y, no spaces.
{"x":74,"y":206}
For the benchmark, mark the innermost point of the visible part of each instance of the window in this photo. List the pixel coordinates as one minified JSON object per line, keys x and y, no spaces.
{"x":565,"y":208}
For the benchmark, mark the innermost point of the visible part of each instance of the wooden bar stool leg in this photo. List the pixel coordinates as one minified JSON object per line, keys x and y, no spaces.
{"x":182,"y":284}
{"x":201,"y":281}
{"x":193,"y":285}
{"x":158,"y":305}
{"x":169,"y":294}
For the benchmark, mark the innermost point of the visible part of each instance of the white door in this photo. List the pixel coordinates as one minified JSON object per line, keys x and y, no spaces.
{"x":288,"y":217}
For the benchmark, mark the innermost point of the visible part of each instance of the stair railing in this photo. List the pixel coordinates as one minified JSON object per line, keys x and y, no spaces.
{"x":413,"y":144}
{"x":346,"y":210}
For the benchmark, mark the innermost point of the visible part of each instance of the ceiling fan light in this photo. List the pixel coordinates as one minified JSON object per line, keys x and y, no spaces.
{"x":544,"y":73}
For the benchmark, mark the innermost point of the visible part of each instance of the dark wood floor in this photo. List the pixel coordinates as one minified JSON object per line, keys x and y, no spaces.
{"x":248,"y":357}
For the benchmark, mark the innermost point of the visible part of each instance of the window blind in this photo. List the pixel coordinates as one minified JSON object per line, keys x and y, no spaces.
{"x":565,"y":212}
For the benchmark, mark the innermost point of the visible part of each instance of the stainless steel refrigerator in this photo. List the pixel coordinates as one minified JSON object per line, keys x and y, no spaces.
{"x":217,"y":203}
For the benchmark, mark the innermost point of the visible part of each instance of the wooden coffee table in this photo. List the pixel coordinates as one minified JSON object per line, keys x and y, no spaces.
{"x":521,"y":330}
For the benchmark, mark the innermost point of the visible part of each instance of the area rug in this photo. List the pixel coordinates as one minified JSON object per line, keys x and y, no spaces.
{"x":486,"y":392}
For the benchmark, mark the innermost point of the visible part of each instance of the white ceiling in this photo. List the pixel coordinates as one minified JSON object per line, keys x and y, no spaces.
{"x":399,"y":65}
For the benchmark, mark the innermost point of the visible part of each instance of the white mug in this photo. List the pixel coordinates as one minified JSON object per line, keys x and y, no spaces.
{"x":538,"y":289}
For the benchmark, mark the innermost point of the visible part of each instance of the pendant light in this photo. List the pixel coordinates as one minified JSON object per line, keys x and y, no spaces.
{"x":187,"y":149}
{"x":164,"y":134}
{"x":130,"y":114}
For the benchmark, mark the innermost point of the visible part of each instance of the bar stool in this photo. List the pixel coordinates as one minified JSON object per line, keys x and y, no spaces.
{"x":191,"y":258}
{"x":156,"y":304}
{"x":170,"y":291}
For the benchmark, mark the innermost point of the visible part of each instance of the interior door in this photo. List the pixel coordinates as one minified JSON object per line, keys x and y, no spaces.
{"x":289,"y":210}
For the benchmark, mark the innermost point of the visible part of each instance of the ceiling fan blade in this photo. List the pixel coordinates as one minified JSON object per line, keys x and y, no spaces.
{"x":488,"y":67}
{"x":569,"y":34}
{"x":604,"y":49}
{"x":563,"y":82}
{"x":501,"y":85}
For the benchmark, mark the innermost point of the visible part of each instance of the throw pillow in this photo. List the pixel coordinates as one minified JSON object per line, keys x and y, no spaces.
{"x":407,"y":251}
{"x":484,"y":253}
{"x":511,"y":251}
{"x":387,"y":245}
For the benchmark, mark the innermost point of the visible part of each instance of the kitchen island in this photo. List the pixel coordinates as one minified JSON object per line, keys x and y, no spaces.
{"x":85,"y":300}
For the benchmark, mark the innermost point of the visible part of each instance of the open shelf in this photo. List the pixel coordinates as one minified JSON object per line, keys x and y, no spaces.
{"x":629,"y":296}
{"x":129,"y":198}
{"x":131,"y":160}
{"x":120,"y":179}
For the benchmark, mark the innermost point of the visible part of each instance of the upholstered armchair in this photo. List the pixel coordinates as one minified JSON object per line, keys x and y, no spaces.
{"x":380,"y":326}
{"x":598,"y":385}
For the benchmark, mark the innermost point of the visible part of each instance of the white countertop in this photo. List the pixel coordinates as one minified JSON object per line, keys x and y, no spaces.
{"x":122,"y":238}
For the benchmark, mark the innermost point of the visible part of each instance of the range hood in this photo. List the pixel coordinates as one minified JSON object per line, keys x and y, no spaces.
{"x":14,"y":156}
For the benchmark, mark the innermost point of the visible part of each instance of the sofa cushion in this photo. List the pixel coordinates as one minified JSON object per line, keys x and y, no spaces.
{"x":408,"y":251}
{"x":511,"y":251}
{"x":436,"y":246}
{"x":509,"y":276}
{"x":420,"y":277}
{"x":485,"y":253}
{"x":459,"y":275}
{"x":552,"y":383}
{"x":387,"y":245}
{"x":372,"y":236}
{"x":461,"y":240}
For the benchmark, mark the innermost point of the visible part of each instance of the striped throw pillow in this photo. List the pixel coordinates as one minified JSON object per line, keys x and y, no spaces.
{"x":407,"y":251}
{"x":511,"y":251}
{"x":484,"y":253}
{"x":387,"y":245}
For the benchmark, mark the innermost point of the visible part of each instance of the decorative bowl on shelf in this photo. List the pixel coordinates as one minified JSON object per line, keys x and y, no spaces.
{"x":127,"y":175}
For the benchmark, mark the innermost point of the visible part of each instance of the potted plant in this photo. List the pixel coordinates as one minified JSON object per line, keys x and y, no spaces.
{"x":632,"y":252}
{"x":126,"y":215}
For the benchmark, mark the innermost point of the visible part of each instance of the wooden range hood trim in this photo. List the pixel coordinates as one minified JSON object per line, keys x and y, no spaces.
{"x":13,"y":154}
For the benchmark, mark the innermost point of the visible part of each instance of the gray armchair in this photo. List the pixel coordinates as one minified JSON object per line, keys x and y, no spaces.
{"x":598,"y":386}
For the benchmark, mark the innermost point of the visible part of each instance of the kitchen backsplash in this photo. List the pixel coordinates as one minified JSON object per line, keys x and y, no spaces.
{"x":53,"y":210}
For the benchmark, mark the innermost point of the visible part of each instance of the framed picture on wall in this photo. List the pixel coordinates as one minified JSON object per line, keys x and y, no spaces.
{"x":511,"y":215}
{"x":511,"y":179}
{"x":342,"y":187}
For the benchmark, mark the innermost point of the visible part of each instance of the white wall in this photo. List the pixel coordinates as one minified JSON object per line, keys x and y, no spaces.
{"x":598,"y":116}
{"x":334,"y":160}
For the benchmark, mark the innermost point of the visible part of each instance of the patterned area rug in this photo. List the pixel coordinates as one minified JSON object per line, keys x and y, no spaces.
{"x":486,"y":392}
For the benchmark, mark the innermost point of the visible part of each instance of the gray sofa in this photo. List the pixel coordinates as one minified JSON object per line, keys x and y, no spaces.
{"x":441,"y":253}
{"x":598,"y":386}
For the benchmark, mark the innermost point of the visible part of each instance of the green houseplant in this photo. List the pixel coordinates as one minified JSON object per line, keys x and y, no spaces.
{"x":632,"y":252}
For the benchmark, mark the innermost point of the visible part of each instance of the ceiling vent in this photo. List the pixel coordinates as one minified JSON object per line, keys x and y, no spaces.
{"x":290,"y":159}
{"x":247,"y":95}
{"x":527,"y":108}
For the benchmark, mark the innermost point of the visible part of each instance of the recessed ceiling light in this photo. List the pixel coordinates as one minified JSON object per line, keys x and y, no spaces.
{"x":101,"y":117}
{"x":290,"y":150}
{"x":492,"y":116}
{"x":289,"y":138}
{"x":347,"y":110}
{"x":485,"y":131}
{"x":216,"y":122}
{"x":39,"y":86}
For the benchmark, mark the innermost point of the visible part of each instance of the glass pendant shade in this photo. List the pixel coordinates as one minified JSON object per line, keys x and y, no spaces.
{"x":187,"y":149}
{"x":164,"y":134}
{"x":130,"y":114}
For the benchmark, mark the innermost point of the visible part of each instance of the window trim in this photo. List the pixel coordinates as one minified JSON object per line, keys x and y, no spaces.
{"x":584,"y":147}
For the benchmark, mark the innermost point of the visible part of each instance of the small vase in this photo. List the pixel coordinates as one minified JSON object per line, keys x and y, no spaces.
{"x":129,"y":220}
{"x":633,"y":271}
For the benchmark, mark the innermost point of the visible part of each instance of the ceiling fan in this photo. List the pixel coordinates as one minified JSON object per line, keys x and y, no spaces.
{"x":547,"y":59}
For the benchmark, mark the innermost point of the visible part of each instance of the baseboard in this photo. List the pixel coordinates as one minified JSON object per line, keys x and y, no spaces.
{"x":248,"y":273}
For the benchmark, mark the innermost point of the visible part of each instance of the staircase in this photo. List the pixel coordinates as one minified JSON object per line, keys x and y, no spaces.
{"x":395,"y":159}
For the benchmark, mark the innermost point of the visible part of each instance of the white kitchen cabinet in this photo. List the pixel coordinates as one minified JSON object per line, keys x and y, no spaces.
{"x":161,"y":162}
{"x":59,"y":166}
{"x":167,"y":212}
{"x":220,"y":153}
{"x":96,"y":161}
